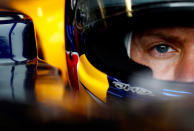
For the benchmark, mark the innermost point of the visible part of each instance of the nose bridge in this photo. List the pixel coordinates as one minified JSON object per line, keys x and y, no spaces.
{"x":185,"y":68}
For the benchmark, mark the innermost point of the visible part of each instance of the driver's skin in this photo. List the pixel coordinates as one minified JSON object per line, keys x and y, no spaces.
{"x":168,"y":51}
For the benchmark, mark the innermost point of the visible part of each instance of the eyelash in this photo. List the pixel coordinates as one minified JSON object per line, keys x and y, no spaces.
{"x":155,"y":52}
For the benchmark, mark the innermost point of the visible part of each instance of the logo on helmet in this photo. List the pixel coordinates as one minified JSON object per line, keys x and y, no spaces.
{"x":127,"y":88}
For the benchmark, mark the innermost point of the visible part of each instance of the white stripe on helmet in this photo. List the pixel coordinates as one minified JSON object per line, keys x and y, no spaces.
{"x":127,"y":42}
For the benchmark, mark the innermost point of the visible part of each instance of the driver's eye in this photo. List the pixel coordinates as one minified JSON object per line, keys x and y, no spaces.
{"x":162,"y":48}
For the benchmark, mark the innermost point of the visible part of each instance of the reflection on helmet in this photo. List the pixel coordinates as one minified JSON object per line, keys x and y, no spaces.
{"x":103,"y":33}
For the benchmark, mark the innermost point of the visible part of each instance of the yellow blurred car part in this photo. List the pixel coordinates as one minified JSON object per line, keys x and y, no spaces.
{"x":48,"y":18}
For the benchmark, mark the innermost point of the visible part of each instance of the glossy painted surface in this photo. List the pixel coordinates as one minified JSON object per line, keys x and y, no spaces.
{"x":48,"y":19}
{"x":17,"y":39}
{"x":72,"y":64}
{"x":17,"y":51}
{"x":94,"y":80}
{"x":20,"y":67}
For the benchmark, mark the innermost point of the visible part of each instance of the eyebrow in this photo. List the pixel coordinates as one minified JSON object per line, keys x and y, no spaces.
{"x":165,"y":36}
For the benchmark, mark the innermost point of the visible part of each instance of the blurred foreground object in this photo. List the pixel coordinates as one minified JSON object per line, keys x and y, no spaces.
{"x":48,"y":19}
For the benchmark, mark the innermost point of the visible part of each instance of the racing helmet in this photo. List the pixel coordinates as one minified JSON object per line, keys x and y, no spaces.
{"x":98,"y":36}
